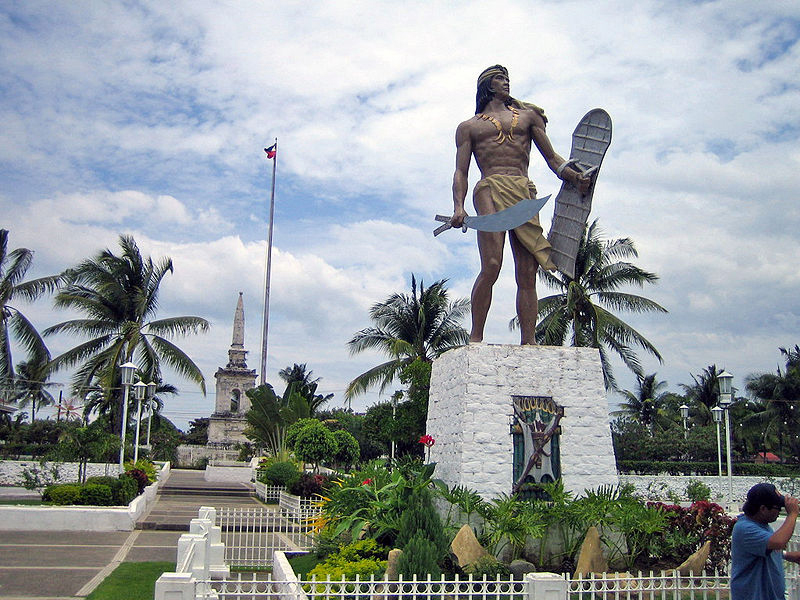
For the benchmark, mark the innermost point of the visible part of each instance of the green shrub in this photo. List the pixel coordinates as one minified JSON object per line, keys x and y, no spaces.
{"x":347,"y":449}
{"x":62,"y":494}
{"x":140,"y":477}
{"x":280,"y":473}
{"x":96,"y":494}
{"x":128,"y":489}
{"x":420,"y":557}
{"x":420,"y":517}
{"x":697,"y":491}
{"x":488,"y":566}
{"x":308,"y":485}
{"x":144,"y":465}
{"x":314,"y":443}
{"x":114,"y":484}
{"x":294,"y":429}
{"x":360,"y":558}
{"x":652,"y":467}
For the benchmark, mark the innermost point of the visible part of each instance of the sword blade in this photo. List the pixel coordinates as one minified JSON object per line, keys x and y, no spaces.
{"x":508,"y":218}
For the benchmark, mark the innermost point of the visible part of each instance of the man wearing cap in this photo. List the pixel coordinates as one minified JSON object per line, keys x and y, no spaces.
{"x":757,"y":550}
{"x":500,"y":137}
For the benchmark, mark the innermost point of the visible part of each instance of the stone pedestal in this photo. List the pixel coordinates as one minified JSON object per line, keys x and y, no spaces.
{"x":471,"y":414}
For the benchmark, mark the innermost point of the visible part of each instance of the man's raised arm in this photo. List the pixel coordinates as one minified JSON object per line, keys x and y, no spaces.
{"x":554,"y":160}
{"x":461,"y":176}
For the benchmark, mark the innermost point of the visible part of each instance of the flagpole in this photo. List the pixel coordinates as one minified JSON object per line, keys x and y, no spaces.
{"x":265,"y":332}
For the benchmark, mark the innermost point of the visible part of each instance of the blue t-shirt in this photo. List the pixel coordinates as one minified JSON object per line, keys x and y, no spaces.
{"x":756,"y":573}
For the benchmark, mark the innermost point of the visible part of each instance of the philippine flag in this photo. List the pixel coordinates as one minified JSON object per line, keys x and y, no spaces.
{"x":271,"y":151}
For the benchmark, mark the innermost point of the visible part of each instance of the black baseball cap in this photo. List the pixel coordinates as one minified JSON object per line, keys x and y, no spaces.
{"x":763,"y":494}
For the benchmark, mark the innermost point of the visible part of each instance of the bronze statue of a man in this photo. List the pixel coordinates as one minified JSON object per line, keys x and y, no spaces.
{"x":500,"y":136}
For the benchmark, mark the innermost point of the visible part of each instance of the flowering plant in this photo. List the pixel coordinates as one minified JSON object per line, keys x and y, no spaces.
{"x":428,"y":441}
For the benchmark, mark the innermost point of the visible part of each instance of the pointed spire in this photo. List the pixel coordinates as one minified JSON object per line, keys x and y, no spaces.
{"x":237,"y":353}
{"x":238,"y":325}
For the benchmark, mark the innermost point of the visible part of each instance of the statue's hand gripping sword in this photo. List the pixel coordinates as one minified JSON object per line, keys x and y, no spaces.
{"x":503,"y":220}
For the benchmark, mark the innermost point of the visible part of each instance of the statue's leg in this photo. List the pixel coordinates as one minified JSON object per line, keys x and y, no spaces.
{"x":490,"y":248}
{"x":525,"y":268}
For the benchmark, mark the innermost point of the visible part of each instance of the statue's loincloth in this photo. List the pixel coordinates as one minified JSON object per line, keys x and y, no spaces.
{"x":507,"y":190}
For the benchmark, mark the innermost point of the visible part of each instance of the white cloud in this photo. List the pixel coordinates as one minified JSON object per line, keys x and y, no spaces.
{"x":160,"y":135}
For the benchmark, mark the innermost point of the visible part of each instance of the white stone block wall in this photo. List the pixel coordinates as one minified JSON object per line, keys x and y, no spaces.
{"x":657,"y":487}
{"x":11,"y":470}
{"x":470,"y":407}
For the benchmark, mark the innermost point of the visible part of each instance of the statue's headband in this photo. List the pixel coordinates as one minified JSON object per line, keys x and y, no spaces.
{"x":491,"y":72}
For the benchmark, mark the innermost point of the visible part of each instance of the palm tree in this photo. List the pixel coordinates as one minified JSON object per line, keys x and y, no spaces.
{"x":298,"y":379}
{"x":422,"y":325}
{"x":119,"y":296}
{"x":779,"y":396}
{"x":646,"y":403}
{"x":581,"y":311}
{"x":30,"y":385}
{"x":13,"y":267}
{"x":299,"y":373}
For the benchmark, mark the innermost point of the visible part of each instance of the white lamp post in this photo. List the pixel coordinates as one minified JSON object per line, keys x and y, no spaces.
{"x":151,"y":393}
{"x":685,"y":416}
{"x":141,"y":391}
{"x":725,"y":398}
{"x":127,"y":370}
{"x":716,"y":412}
{"x":394,"y":412}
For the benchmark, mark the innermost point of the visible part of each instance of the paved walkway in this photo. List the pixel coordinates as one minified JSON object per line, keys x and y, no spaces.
{"x":64,"y":565}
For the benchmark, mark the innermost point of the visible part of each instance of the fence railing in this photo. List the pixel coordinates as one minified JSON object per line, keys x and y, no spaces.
{"x":298,"y":509}
{"x":253,"y":535}
{"x":269,"y":493}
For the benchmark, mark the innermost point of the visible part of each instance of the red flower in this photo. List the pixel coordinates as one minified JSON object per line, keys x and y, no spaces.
{"x":427,"y":440}
{"x":366,"y":482}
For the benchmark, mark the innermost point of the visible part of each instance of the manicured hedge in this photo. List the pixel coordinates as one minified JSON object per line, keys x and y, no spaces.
{"x":123,"y":488}
{"x":650,"y":467}
{"x":97,"y":491}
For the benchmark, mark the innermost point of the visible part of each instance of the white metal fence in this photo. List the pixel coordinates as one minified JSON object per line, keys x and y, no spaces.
{"x":269,"y":493}
{"x":298,"y":509}
{"x":253,"y":535}
{"x":250,"y":586}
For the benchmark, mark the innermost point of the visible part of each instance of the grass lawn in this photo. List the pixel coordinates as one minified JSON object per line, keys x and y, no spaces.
{"x":23,"y":502}
{"x":131,"y":581}
{"x":303,"y":563}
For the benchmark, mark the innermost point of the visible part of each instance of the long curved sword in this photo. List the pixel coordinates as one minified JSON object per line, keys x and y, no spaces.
{"x":503,"y":220}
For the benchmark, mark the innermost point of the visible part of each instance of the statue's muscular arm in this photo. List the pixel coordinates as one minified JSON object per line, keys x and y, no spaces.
{"x":461,"y":176}
{"x":553,"y":159}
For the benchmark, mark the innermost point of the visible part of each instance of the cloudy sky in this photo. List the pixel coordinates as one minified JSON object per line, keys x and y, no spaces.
{"x":149,"y":118}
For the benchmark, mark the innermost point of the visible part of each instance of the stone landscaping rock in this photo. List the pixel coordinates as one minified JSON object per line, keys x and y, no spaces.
{"x":697,"y":561}
{"x":519,"y":568}
{"x":392,"y":562}
{"x":466,"y":547}
{"x":590,"y":558}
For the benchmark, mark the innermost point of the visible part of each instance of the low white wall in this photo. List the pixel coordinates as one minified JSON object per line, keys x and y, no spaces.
{"x":81,"y":518}
{"x":11,"y":470}
{"x":229,"y":474}
{"x":656,"y":487}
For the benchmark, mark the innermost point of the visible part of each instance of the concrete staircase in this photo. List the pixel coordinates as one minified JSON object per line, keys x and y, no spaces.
{"x":184,"y":492}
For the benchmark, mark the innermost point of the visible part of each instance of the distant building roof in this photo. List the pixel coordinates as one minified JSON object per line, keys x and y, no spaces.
{"x":767,"y":457}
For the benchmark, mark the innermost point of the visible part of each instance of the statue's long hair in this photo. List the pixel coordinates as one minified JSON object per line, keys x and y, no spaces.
{"x":485,"y":93}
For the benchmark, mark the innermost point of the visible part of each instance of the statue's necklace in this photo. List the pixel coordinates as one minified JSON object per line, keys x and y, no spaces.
{"x":502,"y":136}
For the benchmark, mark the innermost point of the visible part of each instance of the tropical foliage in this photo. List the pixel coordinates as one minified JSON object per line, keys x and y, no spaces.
{"x":646,"y":404}
{"x":30,"y":386}
{"x":14,"y":266}
{"x":118,"y":294}
{"x":271,"y":415}
{"x":777,"y":414}
{"x":582,"y":312}
{"x":420,"y":325}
